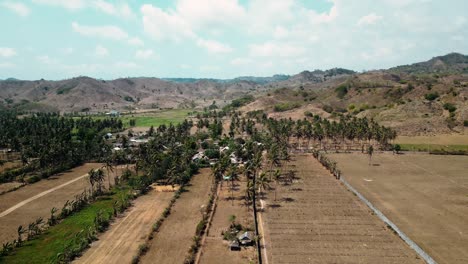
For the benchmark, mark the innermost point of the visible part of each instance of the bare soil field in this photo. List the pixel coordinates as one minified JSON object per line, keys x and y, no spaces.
{"x":317,"y":220}
{"x":216,"y":250}
{"x":120,"y":243}
{"x":172,"y":242}
{"x":426,"y":196}
{"x":5,"y":187}
{"x":25,"y":205}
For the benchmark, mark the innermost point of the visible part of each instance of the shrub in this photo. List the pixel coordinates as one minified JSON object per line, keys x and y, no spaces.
{"x":212,"y":153}
{"x":327,"y":109}
{"x":341,"y":91}
{"x":285,"y":107}
{"x":450,"y":107}
{"x":465,"y":123}
{"x":431,"y":96}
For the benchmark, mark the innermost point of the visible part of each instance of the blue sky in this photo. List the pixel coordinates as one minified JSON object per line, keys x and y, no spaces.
{"x":58,"y":39}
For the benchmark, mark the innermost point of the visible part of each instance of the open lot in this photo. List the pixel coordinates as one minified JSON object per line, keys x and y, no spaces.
{"x":452,"y":142}
{"x":426,"y":196}
{"x":120,"y":243}
{"x":172,"y":242}
{"x":216,"y":250}
{"x":25,"y":205}
{"x":317,"y":220}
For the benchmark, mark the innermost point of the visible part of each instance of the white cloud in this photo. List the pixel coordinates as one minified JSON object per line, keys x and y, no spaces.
{"x":68,"y":4}
{"x":144,"y":54}
{"x":100,"y":51}
{"x":45,"y":59}
{"x":17,"y":7}
{"x":120,"y":10}
{"x":136,"y":41}
{"x":67,"y":51}
{"x":126,"y":65}
{"x":201,"y":13}
{"x":7,"y":65}
{"x":164,"y":26}
{"x":213,"y":46}
{"x":241,"y":61}
{"x":7,"y":52}
{"x":110,"y":32}
{"x":274,"y":49}
{"x":369,"y":19}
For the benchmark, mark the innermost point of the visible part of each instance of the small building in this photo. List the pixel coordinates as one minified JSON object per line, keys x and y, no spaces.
{"x":199,"y":156}
{"x":108,"y":135}
{"x":246,"y":238}
{"x":234,"y":245}
{"x":113,"y":113}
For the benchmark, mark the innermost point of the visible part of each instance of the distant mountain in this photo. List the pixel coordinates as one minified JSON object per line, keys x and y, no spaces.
{"x":88,"y":94}
{"x":450,"y":63}
{"x":258,"y":80}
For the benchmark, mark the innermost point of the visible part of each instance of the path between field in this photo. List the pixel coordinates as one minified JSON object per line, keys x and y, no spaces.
{"x":171,"y":244}
{"x":262,"y":233}
{"x":120,"y":243}
{"x":13,"y":208}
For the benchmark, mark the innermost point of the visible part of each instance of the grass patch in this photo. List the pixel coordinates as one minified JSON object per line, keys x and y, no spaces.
{"x":46,"y":247}
{"x":155,"y":119}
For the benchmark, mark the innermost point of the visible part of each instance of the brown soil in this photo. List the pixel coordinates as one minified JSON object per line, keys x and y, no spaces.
{"x":30,"y":208}
{"x":216,"y":250}
{"x":120,"y":243}
{"x":5,"y":187}
{"x":172,"y":242}
{"x":426,"y":196}
{"x":317,"y":220}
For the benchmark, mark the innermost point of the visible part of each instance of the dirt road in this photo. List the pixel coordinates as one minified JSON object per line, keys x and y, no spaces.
{"x":120,"y":243}
{"x":315,"y":219}
{"x":426,"y":196}
{"x":25,"y":205}
{"x":172,"y":242}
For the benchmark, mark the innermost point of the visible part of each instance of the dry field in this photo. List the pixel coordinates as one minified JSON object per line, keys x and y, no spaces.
{"x":120,"y":243}
{"x":215,"y":250}
{"x":25,"y":205}
{"x":426,"y":196}
{"x":317,"y":220}
{"x":172,"y":242}
{"x":450,"y":139}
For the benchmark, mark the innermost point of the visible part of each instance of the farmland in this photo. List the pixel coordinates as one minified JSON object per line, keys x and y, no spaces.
{"x":146,"y":119}
{"x":120,"y":243}
{"x":215,"y":249}
{"x":32,"y":201}
{"x":424,"y":195}
{"x":173,"y":240}
{"x":315,"y":219}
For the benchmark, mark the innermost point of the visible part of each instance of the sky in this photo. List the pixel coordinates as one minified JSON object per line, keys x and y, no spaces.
{"x":60,"y":39}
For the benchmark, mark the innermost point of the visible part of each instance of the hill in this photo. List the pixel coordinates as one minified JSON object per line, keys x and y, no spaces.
{"x":423,"y":98}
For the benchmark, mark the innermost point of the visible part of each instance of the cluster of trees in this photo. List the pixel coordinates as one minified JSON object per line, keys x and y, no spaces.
{"x":346,"y":133}
{"x":50,"y":141}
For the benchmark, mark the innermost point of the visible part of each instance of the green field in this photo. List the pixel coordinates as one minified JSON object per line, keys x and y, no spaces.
{"x":46,"y":247}
{"x":155,"y":118}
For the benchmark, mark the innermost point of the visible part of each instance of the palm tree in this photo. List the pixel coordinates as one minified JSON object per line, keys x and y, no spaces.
{"x":277,"y":178}
{"x":263,"y":182}
{"x":370,"y":151}
{"x":233,"y":176}
{"x":109,"y":168}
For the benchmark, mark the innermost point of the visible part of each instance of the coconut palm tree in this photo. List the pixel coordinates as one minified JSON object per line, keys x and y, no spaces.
{"x":276,"y":178}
